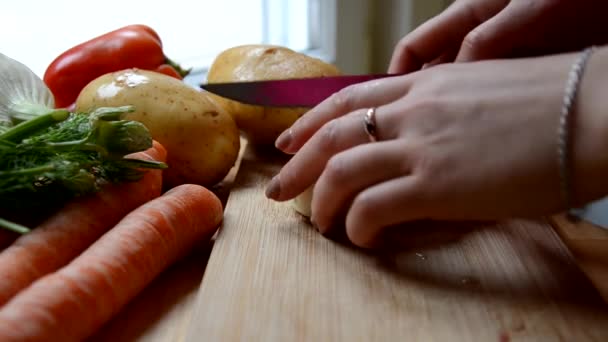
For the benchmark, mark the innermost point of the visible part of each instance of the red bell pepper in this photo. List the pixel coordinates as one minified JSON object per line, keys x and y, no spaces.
{"x":133,"y":46}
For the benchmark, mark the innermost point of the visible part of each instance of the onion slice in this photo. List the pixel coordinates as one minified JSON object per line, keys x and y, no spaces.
{"x":302,"y":202}
{"x":23,"y":95}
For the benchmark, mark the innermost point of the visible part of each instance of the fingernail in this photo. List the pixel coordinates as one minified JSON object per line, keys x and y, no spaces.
{"x":284,"y":140}
{"x":273,"y":190}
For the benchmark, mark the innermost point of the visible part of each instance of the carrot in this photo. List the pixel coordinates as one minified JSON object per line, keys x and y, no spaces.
{"x":75,"y":227}
{"x":72,"y":303}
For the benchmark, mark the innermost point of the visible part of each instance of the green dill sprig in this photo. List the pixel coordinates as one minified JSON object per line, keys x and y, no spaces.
{"x":54,"y":157}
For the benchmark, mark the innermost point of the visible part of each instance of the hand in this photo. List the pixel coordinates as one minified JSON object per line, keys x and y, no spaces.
{"x":472,"y":30}
{"x":468,"y":141}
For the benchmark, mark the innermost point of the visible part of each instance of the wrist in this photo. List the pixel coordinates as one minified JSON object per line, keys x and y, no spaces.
{"x":589,"y":174}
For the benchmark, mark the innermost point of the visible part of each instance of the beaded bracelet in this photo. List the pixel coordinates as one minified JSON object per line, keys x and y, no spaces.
{"x":565,"y":124}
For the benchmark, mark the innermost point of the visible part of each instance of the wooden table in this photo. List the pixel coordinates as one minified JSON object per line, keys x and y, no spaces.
{"x":270,"y":277}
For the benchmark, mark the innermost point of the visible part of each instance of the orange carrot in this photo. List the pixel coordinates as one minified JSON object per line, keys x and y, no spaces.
{"x":67,"y":233}
{"x":72,"y":303}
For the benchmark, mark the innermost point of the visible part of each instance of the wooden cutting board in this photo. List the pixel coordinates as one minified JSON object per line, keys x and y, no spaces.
{"x":271,"y":277}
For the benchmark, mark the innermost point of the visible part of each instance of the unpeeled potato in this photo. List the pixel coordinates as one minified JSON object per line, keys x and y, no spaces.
{"x":201,"y":139}
{"x":262,"y":125}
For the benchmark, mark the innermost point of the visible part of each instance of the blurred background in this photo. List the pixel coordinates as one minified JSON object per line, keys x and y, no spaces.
{"x":357,"y":35}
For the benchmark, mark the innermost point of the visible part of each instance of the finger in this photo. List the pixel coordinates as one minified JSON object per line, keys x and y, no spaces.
{"x":447,"y":57}
{"x":349,"y":172}
{"x":498,"y":36}
{"x":305,"y":167}
{"x":431,"y":39}
{"x":369,"y":94}
{"x":395,"y":201}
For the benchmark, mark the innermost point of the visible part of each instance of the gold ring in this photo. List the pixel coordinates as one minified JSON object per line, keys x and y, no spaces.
{"x":369,"y":124}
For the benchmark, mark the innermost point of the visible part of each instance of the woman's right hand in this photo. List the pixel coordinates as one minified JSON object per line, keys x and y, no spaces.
{"x":472,"y":30}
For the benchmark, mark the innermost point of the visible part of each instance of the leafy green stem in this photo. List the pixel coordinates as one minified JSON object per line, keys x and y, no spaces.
{"x":82,"y":145}
{"x":26,"y":128}
{"x":148,"y":164}
{"x":12,"y":226}
{"x":32,"y":170}
{"x":183,"y":72}
{"x":6,"y":144}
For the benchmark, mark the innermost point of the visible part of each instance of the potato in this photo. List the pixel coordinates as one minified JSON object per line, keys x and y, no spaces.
{"x":262,"y":125}
{"x":201,"y":139}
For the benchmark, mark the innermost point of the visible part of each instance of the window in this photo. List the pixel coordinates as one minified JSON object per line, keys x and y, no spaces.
{"x":193,"y":31}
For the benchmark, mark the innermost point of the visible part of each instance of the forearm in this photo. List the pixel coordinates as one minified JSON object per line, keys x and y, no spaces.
{"x":590,"y":131}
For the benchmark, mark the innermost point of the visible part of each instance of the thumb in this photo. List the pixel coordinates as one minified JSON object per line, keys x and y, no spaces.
{"x":496,"y":37}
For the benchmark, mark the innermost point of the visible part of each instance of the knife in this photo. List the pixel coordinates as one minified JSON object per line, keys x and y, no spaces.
{"x":297,"y":92}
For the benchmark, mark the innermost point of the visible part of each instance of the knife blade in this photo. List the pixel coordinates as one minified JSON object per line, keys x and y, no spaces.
{"x":300,"y":92}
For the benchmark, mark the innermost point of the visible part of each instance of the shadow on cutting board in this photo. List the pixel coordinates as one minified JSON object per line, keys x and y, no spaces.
{"x":416,"y":252}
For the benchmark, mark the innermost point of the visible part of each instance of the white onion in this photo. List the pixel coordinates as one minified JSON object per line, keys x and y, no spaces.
{"x":23,"y":95}
{"x":302,"y":202}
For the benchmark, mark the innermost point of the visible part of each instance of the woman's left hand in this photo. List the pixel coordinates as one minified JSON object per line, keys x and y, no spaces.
{"x":457,"y":141}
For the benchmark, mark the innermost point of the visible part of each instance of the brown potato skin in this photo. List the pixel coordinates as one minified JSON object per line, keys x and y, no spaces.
{"x":201,"y":139}
{"x":262,"y":125}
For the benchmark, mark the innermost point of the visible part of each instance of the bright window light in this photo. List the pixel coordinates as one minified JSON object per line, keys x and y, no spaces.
{"x":193,"y":31}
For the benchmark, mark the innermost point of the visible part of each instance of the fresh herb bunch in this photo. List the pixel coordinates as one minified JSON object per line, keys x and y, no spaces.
{"x":49,"y":156}
{"x":57,"y":156}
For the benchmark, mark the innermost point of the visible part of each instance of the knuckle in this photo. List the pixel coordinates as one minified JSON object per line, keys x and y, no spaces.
{"x":336,"y":169}
{"x":431,"y":174}
{"x":408,"y":160}
{"x":482,"y":10}
{"x":409,"y":53}
{"x":364,"y":207}
{"x":474,"y":39}
{"x":426,"y":164}
{"x":328,"y":135}
{"x":343,"y":100}
{"x":403,"y":43}
{"x":402,"y":48}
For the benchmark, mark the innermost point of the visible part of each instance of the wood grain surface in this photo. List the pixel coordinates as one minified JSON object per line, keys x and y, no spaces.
{"x":271,"y":277}
{"x":589,"y":246}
